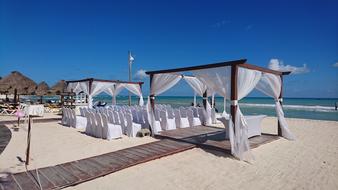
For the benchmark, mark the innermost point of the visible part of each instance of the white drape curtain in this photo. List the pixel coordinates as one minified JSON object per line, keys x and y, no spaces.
{"x":78,"y":87}
{"x":97,"y":88}
{"x":72,"y":87}
{"x":160,"y":83}
{"x":114,"y":91}
{"x":246,"y":82}
{"x":135,"y":89}
{"x":110,"y":88}
{"x":199,"y":87}
{"x":217,"y":79}
{"x":270,"y":85}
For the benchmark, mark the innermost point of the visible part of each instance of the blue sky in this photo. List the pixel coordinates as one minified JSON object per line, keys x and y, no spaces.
{"x":56,"y":39}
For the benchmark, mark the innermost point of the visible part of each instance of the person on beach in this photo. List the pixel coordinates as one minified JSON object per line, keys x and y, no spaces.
{"x":335,"y":106}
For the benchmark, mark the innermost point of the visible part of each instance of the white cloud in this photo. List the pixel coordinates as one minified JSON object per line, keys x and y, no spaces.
{"x":278,"y":65}
{"x":140,"y":74}
{"x":335,"y":65}
{"x":221,"y":23}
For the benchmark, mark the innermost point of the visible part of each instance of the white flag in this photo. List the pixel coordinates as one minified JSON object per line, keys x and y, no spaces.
{"x":131,"y":58}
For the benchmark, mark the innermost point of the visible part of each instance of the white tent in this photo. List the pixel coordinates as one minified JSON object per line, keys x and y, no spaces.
{"x":92,"y":87}
{"x":232,"y":80}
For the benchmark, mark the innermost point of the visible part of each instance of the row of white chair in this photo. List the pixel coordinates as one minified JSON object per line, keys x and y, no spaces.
{"x":98,"y":126}
{"x":123,"y":120}
{"x":70,"y":119}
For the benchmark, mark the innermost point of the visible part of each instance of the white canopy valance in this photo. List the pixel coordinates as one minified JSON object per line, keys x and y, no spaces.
{"x":109,"y":87}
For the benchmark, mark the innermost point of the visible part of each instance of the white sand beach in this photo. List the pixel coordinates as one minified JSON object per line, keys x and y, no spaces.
{"x":310,"y":162}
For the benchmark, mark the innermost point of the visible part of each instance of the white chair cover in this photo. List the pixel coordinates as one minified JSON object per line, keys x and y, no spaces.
{"x":166,"y":123}
{"x":180,"y":121}
{"x":110,"y":131}
{"x":132,"y":128}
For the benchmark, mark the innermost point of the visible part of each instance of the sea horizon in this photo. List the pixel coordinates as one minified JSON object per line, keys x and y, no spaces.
{"x":305,"y":108}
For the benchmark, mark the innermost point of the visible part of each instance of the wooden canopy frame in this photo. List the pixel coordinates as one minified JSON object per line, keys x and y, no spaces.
{"x":235,"y":64}
{"x":91,"y":80}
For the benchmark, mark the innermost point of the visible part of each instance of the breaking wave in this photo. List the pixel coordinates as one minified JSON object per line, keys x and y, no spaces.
{"x":294,"y":107}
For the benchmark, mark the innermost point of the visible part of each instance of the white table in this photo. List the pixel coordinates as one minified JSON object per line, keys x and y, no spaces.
{"x":35,"y":110}
{"x":253,"y":121}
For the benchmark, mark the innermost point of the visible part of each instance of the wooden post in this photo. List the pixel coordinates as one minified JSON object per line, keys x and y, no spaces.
{"x":15,"y":95}
{"x":28,"y":140}
{"x":280,"y":96}
{"x":90,"y":88}
{"x":205,"y":99}
{"x":129,"y":64}
{"x":152,"y":96}
{"x":141,"y":93}
{"x":234,"y":96}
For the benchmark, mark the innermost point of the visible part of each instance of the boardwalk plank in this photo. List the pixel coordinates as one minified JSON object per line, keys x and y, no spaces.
{"x":160,"y":149}
{"x":25,"y":181}
{"x":71,"y":168}
{"x":136,"y":153}
{"x":118,"y":158}
{"x":70,"y":177}
{"x":147,"y":149}
{"x":53,"y":176}
{"x":9,"y":183}
{"x":108,"y":162}
{"x":89,"y":167}
{"x":130,"y":156}
{"x":45,"y":183}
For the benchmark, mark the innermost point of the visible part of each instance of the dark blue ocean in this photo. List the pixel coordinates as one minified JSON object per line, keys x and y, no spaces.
{"x":307,"y":108}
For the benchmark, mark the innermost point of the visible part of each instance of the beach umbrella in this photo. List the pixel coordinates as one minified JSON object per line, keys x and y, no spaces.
{"x":59,"y":87}
{"x":17,"y":83}
{"x":42,"y":89}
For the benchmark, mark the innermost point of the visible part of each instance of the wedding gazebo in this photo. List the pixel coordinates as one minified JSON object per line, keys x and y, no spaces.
{"x":233,"y":80}
{"x":92,"y":87}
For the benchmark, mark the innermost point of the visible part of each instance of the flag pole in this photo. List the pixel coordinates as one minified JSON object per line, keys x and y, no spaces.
{"x":129,"y":63}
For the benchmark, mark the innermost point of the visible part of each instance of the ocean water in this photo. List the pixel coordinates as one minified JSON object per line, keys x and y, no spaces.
{"x":307,"y":108}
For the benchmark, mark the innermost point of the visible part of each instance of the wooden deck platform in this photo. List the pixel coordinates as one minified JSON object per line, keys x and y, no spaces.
{"x":211,"y":137}
{"x":72,"y":173}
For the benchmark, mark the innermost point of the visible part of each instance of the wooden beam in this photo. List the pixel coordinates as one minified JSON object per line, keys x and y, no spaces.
{"x":152,"y":96}
{"x":280,"y":96}
{"x":214,"y":65}
{"x":103,"y":80}
{"x":205,"y":99}
{"x":234,"y":95}
{"x":262,"y":69}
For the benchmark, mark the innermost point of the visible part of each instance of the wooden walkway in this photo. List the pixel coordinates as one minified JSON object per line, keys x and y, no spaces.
{"x":72,"y":173}
{"x":211,"y":138}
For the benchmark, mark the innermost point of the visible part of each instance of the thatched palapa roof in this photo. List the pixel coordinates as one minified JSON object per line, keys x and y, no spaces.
{"x":16,"y":80}
{"x":59,"y":87}
{"x":42,"y":89}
